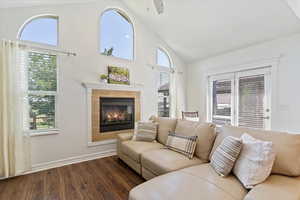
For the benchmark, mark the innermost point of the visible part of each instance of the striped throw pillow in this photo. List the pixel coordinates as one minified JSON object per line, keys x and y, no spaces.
{"x":226,"y":154}
{"x":146,"y":131}
{"x":182,"y":144}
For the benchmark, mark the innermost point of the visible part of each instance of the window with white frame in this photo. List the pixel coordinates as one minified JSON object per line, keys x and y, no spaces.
{"x":42,"y":90}
{"x":41,"y":68}
{"x":164,"y":64}
{"x":116,"y":35}
{"x":240,"y":98}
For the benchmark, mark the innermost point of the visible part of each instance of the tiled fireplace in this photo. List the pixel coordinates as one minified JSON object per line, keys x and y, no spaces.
{"x":111,"y":111}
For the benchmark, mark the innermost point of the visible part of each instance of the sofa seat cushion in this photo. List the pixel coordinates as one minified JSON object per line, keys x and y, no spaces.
{"x":276,"y":187}
{"x":161,"y":161}
{"x":229,"y":184}
{"x":134,"y":149}
{"x":180,"y":185}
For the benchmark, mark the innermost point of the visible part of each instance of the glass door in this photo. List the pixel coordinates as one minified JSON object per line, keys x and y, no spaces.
{"x":253,"y":99}
{"x":241,"y":99}
{"x":222,"y":99}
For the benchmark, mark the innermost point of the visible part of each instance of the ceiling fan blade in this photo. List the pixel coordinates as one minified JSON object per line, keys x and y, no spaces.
{"x":159,"y":5}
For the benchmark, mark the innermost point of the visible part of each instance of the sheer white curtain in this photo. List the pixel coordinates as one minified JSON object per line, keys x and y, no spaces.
{"x":14,"y":142}
{"x":176,"y":94}
{"x":173,"y":95}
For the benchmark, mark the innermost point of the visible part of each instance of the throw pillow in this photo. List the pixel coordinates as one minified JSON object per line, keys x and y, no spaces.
{"x":182,"y":144}
{"x":194,"y":119}
{"x":255,"y":162}
{"x":145,"y":131}
{"x":226,"y":154}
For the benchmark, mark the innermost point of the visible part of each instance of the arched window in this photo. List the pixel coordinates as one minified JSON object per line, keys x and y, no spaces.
{"x":164,"y":64}
{"x":162,"y":58}
{"x":116,"y":35}
{"x":43,"y":29}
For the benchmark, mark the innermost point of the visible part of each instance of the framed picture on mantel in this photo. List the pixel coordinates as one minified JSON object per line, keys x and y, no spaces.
{"x":118,"y":75}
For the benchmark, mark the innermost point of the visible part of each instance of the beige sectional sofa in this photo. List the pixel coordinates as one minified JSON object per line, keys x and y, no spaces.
{"x":173,"y":176}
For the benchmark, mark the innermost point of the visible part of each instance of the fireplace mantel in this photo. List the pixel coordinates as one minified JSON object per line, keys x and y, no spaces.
{"x":105,"y":89}
{"x":103,"y":86}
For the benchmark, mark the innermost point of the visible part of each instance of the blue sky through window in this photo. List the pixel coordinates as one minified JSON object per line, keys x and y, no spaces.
{"x":162,"y":59}
{"x":41,"y":30}
{"x":117,"y":33}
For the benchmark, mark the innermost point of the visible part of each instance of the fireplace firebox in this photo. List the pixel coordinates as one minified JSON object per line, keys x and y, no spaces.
{"x":116,"y":114}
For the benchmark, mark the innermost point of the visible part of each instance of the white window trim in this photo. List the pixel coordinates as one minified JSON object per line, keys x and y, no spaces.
{"x":272,"y":63}
{"x":44,"y":132}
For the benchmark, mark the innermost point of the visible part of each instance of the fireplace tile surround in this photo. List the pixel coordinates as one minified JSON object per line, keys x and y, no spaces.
{"x":98,"y":91}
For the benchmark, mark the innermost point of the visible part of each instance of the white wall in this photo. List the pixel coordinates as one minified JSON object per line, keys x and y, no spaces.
{"x":286,"y":96}
{"x":78,"y":32}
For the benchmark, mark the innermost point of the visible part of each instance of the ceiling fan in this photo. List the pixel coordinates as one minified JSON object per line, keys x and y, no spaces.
{"x":159,"y":5}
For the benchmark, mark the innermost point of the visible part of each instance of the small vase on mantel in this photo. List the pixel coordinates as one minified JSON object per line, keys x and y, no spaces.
{"x":103,"y":78}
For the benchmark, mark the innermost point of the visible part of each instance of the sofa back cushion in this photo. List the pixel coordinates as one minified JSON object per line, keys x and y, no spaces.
{"x":206,"y":135}
{"x":165,"y":126}
{"x":286,"y":146}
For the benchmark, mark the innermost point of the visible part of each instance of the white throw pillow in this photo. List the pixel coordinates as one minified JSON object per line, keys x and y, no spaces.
{"x":255,"y":162}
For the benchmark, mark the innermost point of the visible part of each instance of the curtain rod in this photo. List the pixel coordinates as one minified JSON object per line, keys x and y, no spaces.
{"x":38,"y":47}
{"x":171,"y":70}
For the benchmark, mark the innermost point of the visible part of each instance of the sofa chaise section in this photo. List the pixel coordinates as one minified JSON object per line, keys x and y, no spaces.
{"x":192,"y":183}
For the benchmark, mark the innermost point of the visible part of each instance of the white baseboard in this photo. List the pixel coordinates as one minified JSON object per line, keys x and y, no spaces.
{"x":104,"y":142}
{"x":71,"y":160}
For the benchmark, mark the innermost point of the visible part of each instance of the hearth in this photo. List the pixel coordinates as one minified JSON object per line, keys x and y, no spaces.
{"x":116,"y":114}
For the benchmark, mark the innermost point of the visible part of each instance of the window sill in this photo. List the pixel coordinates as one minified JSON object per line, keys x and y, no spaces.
{"x":119,"y":58}
{"x":44,"y":132}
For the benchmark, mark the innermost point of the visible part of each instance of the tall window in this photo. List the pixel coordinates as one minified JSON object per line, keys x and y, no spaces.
{"x":116,"y":33}
{"x":164,"y":65}
{"x":41,"y":74}
{"x":42,"y":89}
{"x":241,"y":99}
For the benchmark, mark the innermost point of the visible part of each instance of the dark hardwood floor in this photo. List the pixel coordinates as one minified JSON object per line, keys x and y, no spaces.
{"x":107,"y":178}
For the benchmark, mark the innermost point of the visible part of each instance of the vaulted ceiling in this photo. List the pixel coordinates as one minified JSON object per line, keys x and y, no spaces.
{"x":197,"y":29}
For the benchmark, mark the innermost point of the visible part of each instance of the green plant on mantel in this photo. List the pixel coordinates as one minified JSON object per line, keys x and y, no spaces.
{"x":103,"y":77}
